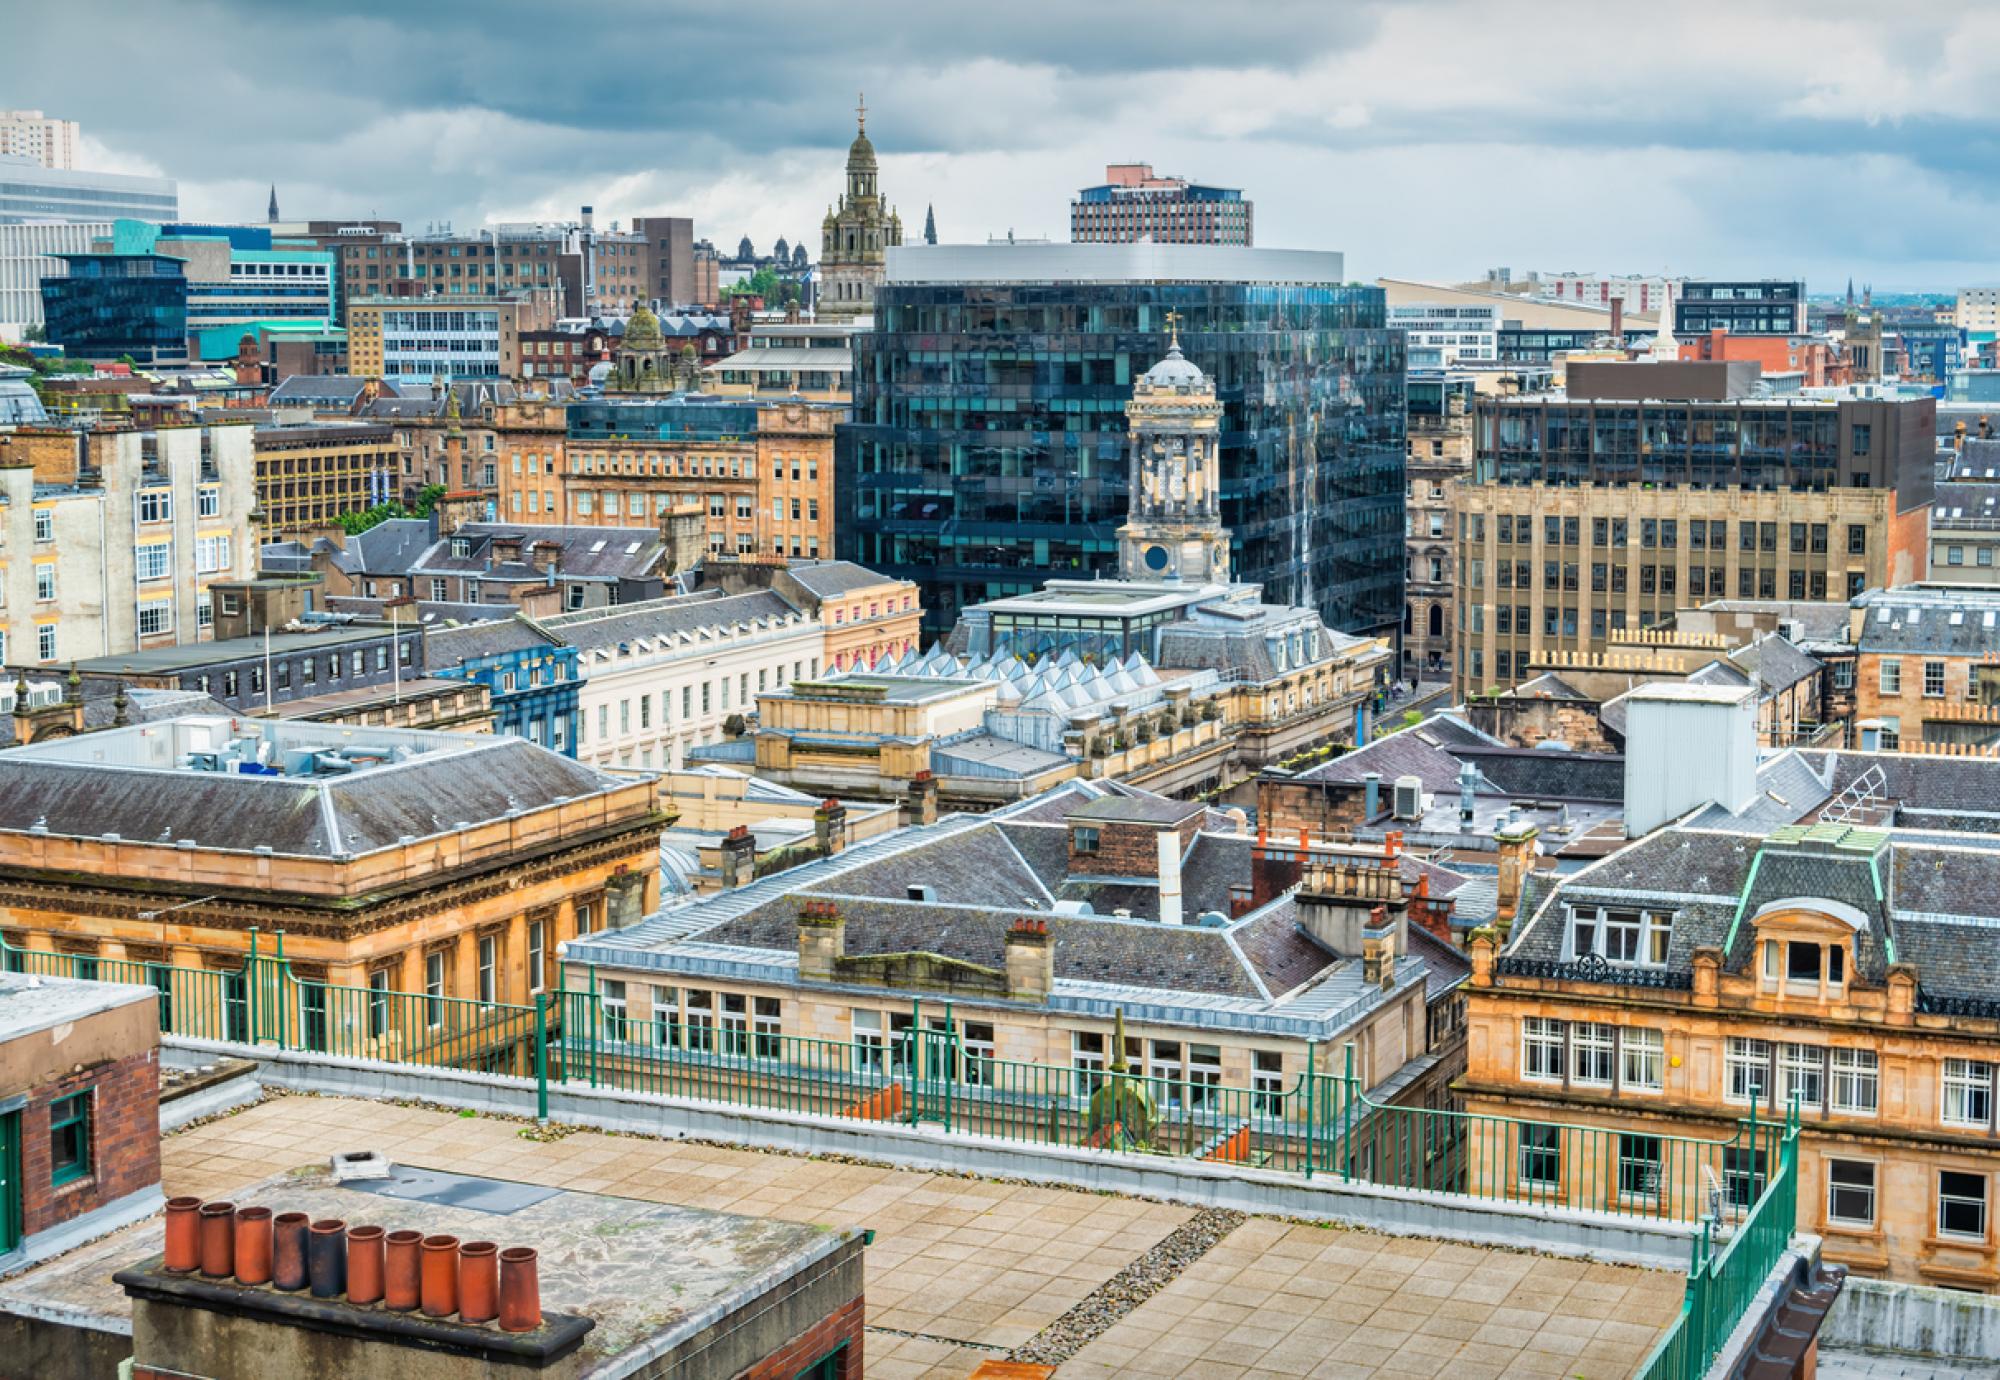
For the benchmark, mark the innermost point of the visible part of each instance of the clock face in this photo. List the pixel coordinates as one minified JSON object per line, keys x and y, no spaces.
{"x":1156,"y":558}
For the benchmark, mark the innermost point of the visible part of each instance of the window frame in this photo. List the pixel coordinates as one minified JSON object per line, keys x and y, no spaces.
{"x":72,"y":1110}
{"x":1834,"y":1190}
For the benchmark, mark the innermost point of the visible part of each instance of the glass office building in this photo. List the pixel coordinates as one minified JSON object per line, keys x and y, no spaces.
{"x":110,"y":305}
{"x":987,"y":451}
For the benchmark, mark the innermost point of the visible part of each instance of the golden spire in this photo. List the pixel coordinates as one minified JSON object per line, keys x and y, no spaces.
{"x":1173,"y":330}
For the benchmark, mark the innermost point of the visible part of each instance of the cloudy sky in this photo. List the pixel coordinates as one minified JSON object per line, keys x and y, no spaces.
{"x":1426,"y":138}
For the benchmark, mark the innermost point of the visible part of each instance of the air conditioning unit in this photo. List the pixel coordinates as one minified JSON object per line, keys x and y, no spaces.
{"x":1409,"y":798}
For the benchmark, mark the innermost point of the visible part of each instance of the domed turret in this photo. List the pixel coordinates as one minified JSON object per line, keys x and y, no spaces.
{"x":642,"y":332}
{"x":1174,"y":371}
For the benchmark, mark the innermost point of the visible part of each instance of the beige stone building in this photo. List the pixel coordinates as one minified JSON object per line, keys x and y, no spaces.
{"x":110,"y":539}
{"x":1026,"y":936}
{"x":1641,"y":1009}
{"x":444,"y":865}
{"x":1604,"y":509}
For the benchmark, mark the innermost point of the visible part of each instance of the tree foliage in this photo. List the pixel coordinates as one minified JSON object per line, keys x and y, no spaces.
{"x":354,"y":524}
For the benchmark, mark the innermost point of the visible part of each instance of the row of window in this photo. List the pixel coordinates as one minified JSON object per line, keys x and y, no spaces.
{"x":1653,"y":579}
{"x":715,"y":699}
{"x":231,"y":683}
{"x":1764,"y":1073}
{"x":1889,"y":671}
{"x":1661,"y":533}
{"x":709,"y":1022}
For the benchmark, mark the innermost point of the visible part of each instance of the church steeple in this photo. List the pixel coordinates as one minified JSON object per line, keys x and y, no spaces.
{"x":1173,"y":521}
{"x":930,"y":225}
{"x":272,"y":215}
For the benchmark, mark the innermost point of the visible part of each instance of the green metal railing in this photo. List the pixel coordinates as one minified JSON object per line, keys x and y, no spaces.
{"x":928,"y":1072}
{"x":1723,"y":1283}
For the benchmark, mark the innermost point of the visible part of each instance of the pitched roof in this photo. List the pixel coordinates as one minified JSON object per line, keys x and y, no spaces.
{"x":831,"y":579}
{"x":598,"y":629}
{"x":447,"y":647}
{"x":308,"y":816}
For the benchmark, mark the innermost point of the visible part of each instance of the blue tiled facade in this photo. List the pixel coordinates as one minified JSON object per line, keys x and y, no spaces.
{"x":534,"y":689}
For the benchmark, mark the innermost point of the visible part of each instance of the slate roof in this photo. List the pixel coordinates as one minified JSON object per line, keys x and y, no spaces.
{"x":1283,"y":956}
{"x":831,"y":579}
{"x":1959,"y":502}
{"x":584,"y":553}
{"x":1148,"y":809}
{"x":1135,"y":953}
{"x":1955,"y":622}
{"x":1789,"y":788}
{"x":440,"y":613}
{"x":1548,"y":773}
{"x":445,"y":647}
{"x":599,"y":629}
{"x":1933,"y":902}
{"x":387,"y":548}
{"x":1448,"y":967}
{"x":319,"y":390}
{"x":1927,"y":792}
{"x":307,"y":816}
{"x":1408,"y":753}
{"x":1547,"y":686}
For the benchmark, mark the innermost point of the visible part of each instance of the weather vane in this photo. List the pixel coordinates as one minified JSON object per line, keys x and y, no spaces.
{"x":1174,"y":330}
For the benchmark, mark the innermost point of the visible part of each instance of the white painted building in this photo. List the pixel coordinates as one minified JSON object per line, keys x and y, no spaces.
{"x":1639,"y":292}
{"x":662,"y":676}
{"x":1438,"y":334}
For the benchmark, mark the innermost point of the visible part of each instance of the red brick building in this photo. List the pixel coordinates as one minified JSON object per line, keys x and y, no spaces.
{"x":79,"y":1111}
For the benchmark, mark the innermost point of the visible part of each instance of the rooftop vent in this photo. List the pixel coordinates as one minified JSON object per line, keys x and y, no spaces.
{"x":919,"y":892}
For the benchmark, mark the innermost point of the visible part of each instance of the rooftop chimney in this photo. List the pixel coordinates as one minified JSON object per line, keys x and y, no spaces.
{"x":1170,"y":877}
{"x":1031,"y":960}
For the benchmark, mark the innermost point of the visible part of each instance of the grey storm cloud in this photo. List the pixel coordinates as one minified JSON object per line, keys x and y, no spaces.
{"x":1722,"y":136}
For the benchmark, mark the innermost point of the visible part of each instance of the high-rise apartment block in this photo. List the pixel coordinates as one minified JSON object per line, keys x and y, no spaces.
{"x":31,"y":134}
{"x":1134,"y":204}
{"x":1649,"y":487}
{"x":1978,"y":309}
{"x":989,"y":419}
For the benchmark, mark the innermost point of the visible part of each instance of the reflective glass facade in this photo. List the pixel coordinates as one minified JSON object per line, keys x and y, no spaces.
{"x":118,"y":304}
{"x":987,"y":454}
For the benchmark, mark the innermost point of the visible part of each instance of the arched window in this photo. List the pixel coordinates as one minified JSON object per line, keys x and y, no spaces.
{"x":1409,"y":620}
{"x":1437,"y":620}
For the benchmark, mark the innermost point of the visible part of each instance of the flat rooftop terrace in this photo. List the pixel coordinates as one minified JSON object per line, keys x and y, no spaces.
{"x":966,"y":1270}
{"x":210,"y":745}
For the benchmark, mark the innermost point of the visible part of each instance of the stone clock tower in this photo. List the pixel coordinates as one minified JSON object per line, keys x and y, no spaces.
{"x":1173,"y":527}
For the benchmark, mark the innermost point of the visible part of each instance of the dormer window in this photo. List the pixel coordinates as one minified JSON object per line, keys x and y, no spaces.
{"x":1618,"y":934}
